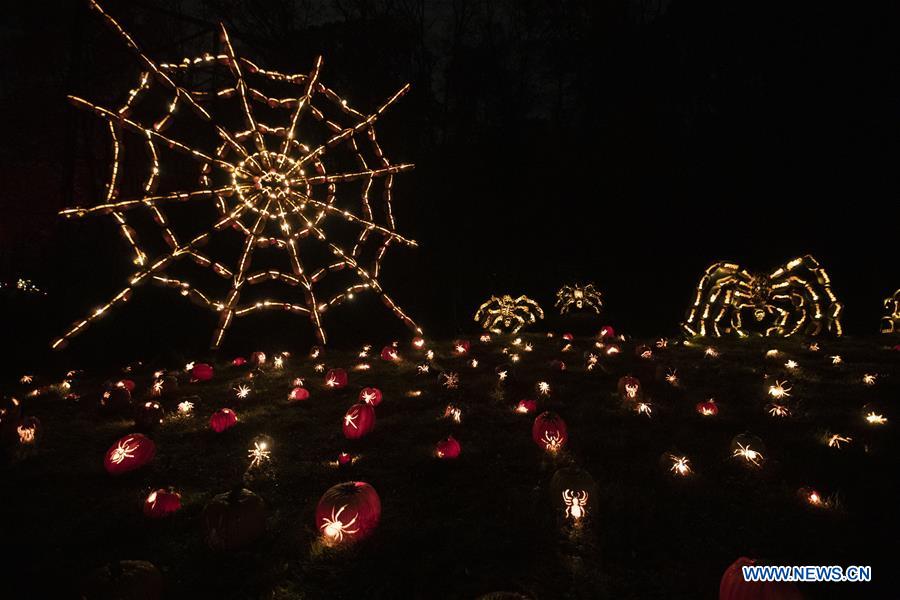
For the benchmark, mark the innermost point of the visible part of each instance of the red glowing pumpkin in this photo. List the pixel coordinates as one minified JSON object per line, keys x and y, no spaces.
{"x":128,"y":384}
{"x":709,"y":408}
{"x":359,"y":420}
{"x":607,"y":332}
{"x":461,"y":346}
{"x":630,"y":388}
{"x":390,"y":353}
{"x":130,"y":452}
{"x":344,"y":459}
{"x":549,"y":431}
{"x":568,"y":337}
{"x":234,"y":519}
{"x":347,"y":513}
{"x":418,"y":343}
{"x":239,"y":361}
{"x":336,"y":378}
{"x":447,"y":448}
{"x":370,"y":395}
{"x":526,"y":406}
{"x":201,"y":372}
{"x":162,"y":503}
{"x":733,"y":586}
{"x":223,"y":419}
{"x":298,"y":394}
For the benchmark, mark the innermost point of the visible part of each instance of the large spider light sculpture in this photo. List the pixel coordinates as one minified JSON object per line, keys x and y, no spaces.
{"x":508,"y":313}
{"x":890,"y":322}
{"x":794,"y":298}
{"x":279,"y":200}
{"x":582,"y":297}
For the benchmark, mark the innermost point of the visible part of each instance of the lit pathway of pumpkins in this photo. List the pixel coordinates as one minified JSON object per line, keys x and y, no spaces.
{"x":651,"y":382}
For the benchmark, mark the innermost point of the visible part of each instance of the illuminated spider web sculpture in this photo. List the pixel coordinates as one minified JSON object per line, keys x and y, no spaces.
{"x":794,"y":298}
{"x":260,"y":185}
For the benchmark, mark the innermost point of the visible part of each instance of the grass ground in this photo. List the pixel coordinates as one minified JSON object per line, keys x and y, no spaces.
{"x":486,"y":521}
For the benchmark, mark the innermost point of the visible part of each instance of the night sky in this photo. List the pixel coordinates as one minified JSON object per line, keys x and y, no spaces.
{"x":627,"y":143}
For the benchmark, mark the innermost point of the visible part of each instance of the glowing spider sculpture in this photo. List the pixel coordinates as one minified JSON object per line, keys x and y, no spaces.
{"x":581,"y":297}
{"x":794,"y":298}
{"x":890,"y":322}
{"x":506,"y":312}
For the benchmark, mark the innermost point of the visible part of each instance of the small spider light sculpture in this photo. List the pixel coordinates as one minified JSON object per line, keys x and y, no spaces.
{"x":508,"y":313}
{"x":795,"y":298}
{"x":581,"y":297}
{"x":890,"y":322}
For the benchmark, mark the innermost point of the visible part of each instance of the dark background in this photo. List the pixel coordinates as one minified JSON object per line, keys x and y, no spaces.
{"x":624,"y":142}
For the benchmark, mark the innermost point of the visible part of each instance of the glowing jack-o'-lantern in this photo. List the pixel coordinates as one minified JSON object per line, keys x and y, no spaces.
{"x":370,"y":395}
{"x":749,"y":450}
{"x":29,"y":431}
{"x":630,"y":388}
{"x":258,"y":359}
{"x":298,"y":394}
{"x":358,"y":421}
{"x":390,"y":353}
{"x":708,"y":408}
{"x":336,"y":379}
{"x":238,"y":361}
{"x":222,"y":420}
{"x":347,"y":513}
{"x":234,"y":519}
{"x":201,"y":372}
{"x":130,"y":452}
{"x":128,"y":384}
{"x":148,"y":415}
{"x":162,"y":503}
{"x":447,"y":448}
{"x":607,"y":332}
{"x":549,"y":432}
{"x":116,"y":399}
{"x":573,"y":491}
{"x":526,"y":406}
{"x":461,"y":346}
{"x":733,"y":586}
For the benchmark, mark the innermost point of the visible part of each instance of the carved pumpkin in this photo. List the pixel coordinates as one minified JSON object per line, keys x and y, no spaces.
{"x":234,"y":519}
{"x":239,"y":361}
{"x":418,"y":343}
{"x":162,"y":503}
{"x":298,"y":394}
{"x":447,"y":448}
{"x":201,"y":372}
{"x":549,"y":432}
{"x":733,"y":586}
{"x":568,"y":337}
{"x":116,"y":399}
{"x":148,"y":415}
{"x":29,"y":431}
{"x":573,"y":493}
{"x":630,"y":388}
{"x":258,"y":359}
{"x":708,"y":408}
{"x":336,"y":378}
{"x":607,"y":332}
{"x":130,"y":452}
{"x":359,"y":420}
{"x":461,"y":346}
{"x":124,"y":580}
{"x":223,"y":419}
{"x":370,"y":395}
{"x":390,"y":353}
{"x":128,"y":384}
{"x":557,"y":365}
{"x":526,"y":406}
{"x":166,"y":386}
{"x":347,"y":513}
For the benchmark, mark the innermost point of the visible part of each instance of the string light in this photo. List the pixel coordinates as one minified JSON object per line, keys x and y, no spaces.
{"x":506,"y":312}
{"x":890,"y":322}
{"x":264,"y":183}
{"x":794,"y":298}
{"x":578,"y":296}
